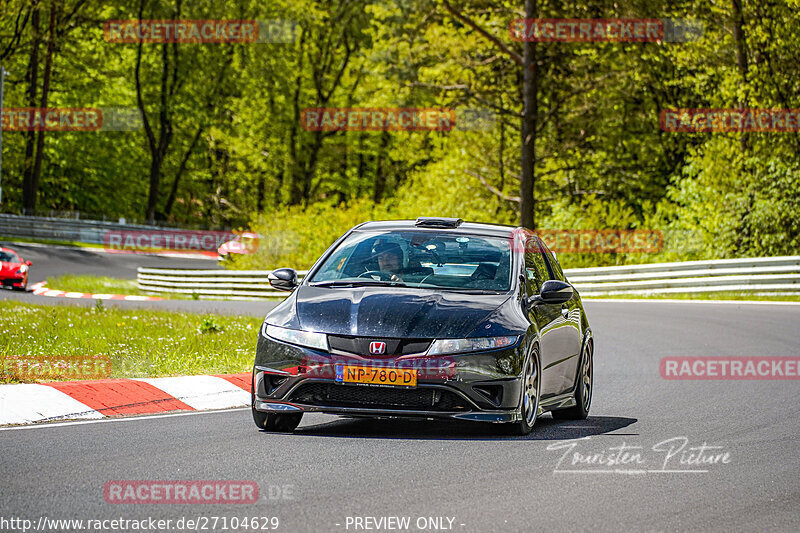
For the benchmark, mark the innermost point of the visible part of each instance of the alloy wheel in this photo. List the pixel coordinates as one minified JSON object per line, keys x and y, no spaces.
{"x":530,"y":396}
{"x":586,"y":376}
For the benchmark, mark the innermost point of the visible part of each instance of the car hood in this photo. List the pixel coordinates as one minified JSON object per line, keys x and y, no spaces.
{"x":395,"y":312}
{"x":9,"y":269}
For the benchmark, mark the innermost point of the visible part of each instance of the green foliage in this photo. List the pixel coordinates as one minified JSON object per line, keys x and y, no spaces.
{"x":296,"y":237}
{"x":736,"y":206}
{"x":602,"y":161}
{"x":209,"y":325}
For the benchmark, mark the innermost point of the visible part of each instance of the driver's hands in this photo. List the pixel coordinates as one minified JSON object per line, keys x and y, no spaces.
{"x":395,"y":277}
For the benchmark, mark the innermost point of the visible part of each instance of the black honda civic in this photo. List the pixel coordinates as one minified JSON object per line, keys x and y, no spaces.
{"x":433,"y":318}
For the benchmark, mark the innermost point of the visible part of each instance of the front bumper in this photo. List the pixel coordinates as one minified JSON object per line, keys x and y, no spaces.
{"x":19,"y":283}
{"x":480,"y":386}
{"x":476,"y":416}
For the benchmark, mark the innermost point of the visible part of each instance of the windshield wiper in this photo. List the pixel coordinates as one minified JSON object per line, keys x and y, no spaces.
{"x":358,"y":283}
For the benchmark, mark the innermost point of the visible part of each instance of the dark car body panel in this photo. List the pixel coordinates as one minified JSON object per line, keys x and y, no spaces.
{"x":398,"y":312}
{"x":483,"y":385}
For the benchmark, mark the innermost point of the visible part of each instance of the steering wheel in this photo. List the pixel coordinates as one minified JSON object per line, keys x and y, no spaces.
{"x":383,"y":276}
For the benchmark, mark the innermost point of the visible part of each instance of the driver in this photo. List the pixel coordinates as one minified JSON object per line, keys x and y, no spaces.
{"x":390,"y":259}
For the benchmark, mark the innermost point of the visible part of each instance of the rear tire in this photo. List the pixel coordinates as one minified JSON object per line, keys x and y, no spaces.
{"x":280,"y":422}
{"x":583,"y":389}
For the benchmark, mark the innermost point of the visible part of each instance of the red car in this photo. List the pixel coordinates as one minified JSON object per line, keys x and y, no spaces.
{"x":244,"y":243}
{"x":13,"y":270}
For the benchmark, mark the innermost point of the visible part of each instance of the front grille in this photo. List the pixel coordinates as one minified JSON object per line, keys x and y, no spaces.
{"x":360,"y":345}
{"x":422,"y":399}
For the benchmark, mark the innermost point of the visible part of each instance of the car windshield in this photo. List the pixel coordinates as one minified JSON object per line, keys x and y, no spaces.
{"x":419,"y":259}
{"x":9,"y":257}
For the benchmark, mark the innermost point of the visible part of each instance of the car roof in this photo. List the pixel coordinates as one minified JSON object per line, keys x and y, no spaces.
{"x":469,"y":228}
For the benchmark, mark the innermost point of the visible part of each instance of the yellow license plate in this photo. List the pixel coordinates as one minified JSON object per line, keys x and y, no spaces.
{"x":376,"y":376}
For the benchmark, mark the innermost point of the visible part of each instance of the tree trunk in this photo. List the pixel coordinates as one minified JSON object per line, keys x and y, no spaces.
{"x":48,"y":67}
{"x":158,"y":147}
{"x":173,"y":193}
{"x":164,"y":134}
{"x":362,"y":164}
{"x":260,"y":188}
{"x":529,"y":112}
{"x":741,"y":58}
{"x":380,"y":171}
{"x":28,"y":193}
{"x":295,"y":189}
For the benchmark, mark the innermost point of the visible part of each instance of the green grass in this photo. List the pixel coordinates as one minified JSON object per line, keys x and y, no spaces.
{"x":94,"y":284}
{"x":105,"y":285}
{"x":706,"y":296}
{"x":138,"y":343}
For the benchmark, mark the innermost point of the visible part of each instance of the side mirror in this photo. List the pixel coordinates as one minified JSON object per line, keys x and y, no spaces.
{"x":29,"y":263}
{"x":552,"y":292}
{"x":283,"y":279}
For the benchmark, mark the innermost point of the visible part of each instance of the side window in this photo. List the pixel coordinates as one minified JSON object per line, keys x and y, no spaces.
{"x":555,"y":270}
{"x":536,"y":271}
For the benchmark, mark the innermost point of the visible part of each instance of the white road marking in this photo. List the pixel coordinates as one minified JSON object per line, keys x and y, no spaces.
{"x":125,"y":419}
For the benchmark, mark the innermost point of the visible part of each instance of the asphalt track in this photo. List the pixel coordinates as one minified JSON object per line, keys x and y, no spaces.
{"x":50,"y":261}
{"x":57,"y":260}
{"x":339,"y":468}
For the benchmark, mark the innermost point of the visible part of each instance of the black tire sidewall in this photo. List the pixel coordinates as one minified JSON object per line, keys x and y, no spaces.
{"x":521,"y":427}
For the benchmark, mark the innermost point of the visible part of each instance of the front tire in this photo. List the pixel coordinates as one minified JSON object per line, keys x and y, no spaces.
{"x":280,"y":422}
{"x":583,"y":389}
{"x":529,"y":403}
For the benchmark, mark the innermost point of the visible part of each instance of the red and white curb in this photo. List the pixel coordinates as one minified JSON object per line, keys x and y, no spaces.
{"x":40,"y":290}
{"x":26,"y":403}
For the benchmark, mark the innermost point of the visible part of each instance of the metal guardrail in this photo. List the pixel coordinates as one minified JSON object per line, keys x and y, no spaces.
{"x":765,"y":275}
{"x":210,"y":284}
{"x":67,"y":229}
{"x":759,"y":275}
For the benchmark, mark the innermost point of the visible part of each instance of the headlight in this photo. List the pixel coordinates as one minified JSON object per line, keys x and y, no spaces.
{"x":445,"y":346}
{"x":295,"y":336}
